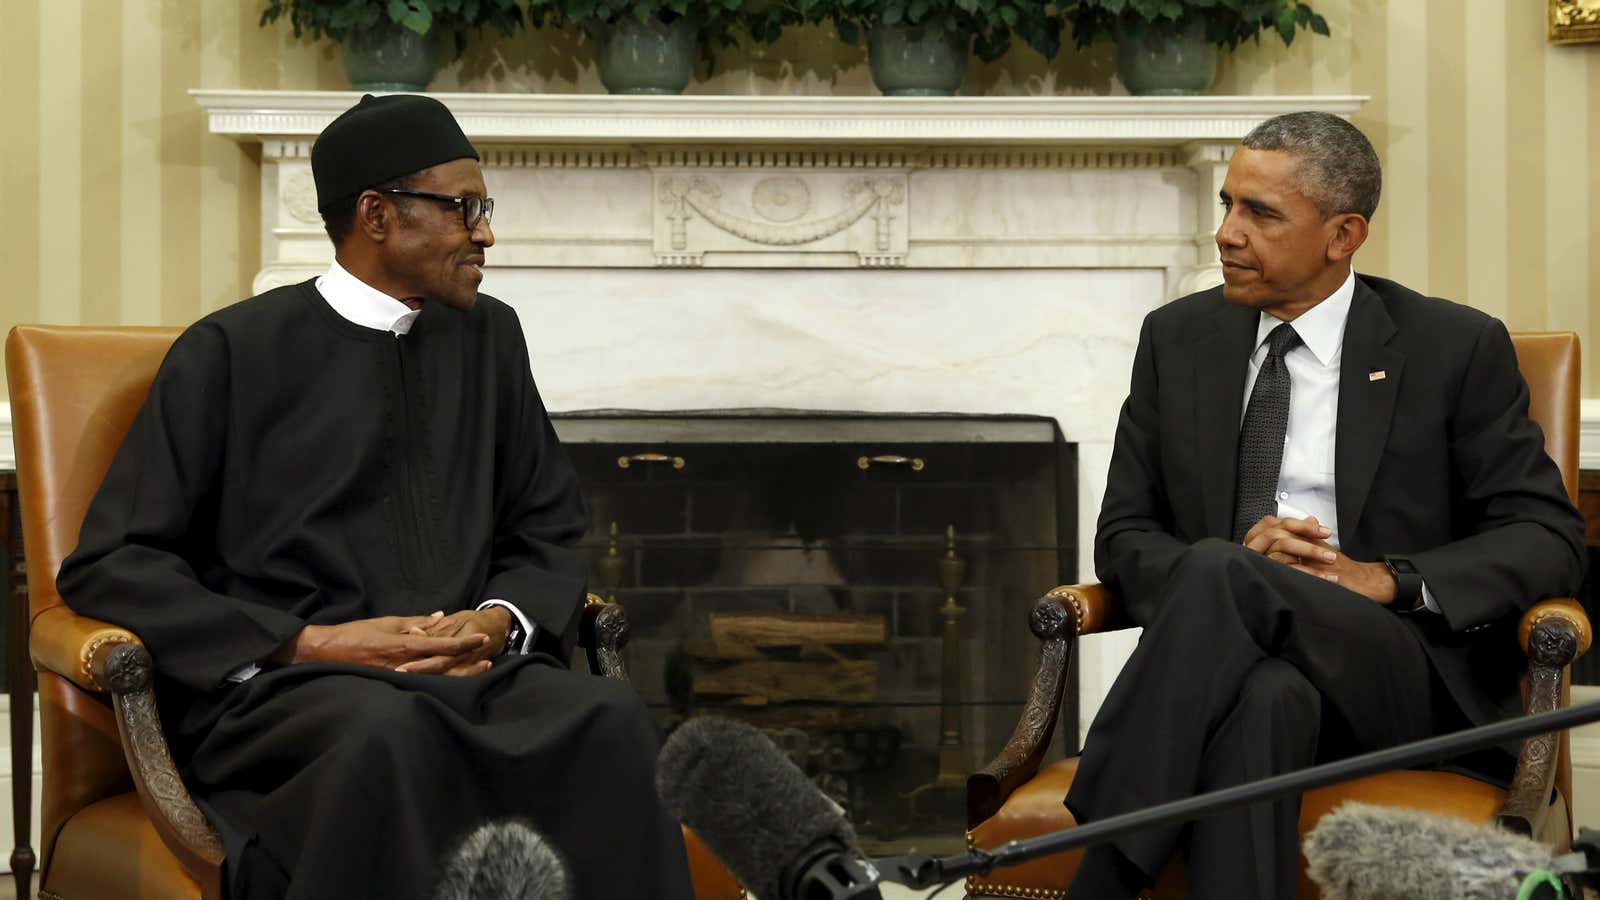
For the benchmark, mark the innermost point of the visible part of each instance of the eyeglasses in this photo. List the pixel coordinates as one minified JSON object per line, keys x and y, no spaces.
{"x":473,"y":208}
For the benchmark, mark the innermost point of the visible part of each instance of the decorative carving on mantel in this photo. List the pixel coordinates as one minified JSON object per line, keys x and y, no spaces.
{"x":782,"y":198}
{"x":293,"y":148}
{"x":778,"y":205}
{"x":1209,"y":162}
{"x":299,"y":194}
{"x":625,"y":157}
{"x":1048,"y":158}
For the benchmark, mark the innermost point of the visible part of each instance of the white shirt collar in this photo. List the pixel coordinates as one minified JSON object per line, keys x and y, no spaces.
{"x":1321,"y":328}
{"x":362,"y":303}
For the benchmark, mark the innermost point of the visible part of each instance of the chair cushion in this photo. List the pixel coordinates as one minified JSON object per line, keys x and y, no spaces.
{"x":110,"y":850}
{"x":1035,"y":808}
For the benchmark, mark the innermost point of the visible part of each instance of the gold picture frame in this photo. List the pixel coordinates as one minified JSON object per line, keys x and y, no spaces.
{"x":1574,"y":21}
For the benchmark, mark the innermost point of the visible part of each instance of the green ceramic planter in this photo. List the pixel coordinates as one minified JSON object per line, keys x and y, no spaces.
{"x":389,"y":57}
{"x":651,"y":57}
{"x":912,"y":61}
{"x":1167,"y":59}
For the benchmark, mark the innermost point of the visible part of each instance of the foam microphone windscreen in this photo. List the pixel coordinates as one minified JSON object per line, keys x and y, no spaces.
{"x":1365,"y":852}
{"x":504,"y":861}
{"x":751,"y":806}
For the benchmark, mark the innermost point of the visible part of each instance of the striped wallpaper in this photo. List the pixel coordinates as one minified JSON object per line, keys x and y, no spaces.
{"x":119,"y":207}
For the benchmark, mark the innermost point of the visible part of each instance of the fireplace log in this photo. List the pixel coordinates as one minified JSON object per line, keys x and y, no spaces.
{"x":732,"y":651}
{"x":764,"y":629}
{"x":784,"y":681}
{"x":721,"y":651}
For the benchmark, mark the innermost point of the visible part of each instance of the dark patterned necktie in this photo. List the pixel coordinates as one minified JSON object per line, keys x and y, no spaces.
{"x":1261,"y":437}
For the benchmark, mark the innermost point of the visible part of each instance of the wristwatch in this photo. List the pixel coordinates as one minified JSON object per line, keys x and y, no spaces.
{"x":1407,"y":583}
{"x":514,"y":637}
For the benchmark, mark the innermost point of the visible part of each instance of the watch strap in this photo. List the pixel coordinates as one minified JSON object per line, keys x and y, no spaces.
{"x":1407,"y":583}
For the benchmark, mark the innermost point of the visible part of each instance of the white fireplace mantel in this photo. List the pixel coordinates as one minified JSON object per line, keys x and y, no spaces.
{"x":963,"y":255}
{"x":802,"y":182}
{"x":580,"y":119}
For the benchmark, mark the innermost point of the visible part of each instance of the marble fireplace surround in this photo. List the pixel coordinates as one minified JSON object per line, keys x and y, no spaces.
{"x":974,"y":255}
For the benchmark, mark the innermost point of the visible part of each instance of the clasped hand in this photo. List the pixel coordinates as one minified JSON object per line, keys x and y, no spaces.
{"x":1302,"y":544}
{"x":462,"y":643}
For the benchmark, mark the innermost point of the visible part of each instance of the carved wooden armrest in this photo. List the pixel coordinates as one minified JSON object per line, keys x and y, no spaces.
{"x":1057,"y":619}
{"x":602,"y":634}
{"x":1550,"y":611}
{"x":63,"y":642}
{"x":1054,"y":623}
{"x":125,"y":669}
{"x":1553,"y":633}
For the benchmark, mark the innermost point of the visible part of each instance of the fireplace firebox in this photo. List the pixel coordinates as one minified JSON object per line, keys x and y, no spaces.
{"x":857,"y":585}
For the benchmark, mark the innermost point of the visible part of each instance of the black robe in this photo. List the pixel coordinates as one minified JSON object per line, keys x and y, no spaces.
{"x":290,"y":468}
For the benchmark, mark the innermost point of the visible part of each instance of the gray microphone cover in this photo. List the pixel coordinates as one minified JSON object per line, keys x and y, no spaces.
{"x":1365,"y":852}
{"x":504,"y":861}
{"x":751,"y":806}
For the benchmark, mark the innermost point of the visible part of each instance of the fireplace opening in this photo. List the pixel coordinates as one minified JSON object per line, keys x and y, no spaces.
{"x":856,"y":585}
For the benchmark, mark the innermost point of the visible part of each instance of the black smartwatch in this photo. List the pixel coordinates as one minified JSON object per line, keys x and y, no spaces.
{"x":1407,"y":583}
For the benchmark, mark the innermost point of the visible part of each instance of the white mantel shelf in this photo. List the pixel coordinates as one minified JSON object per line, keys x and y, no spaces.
{"x":252,"y":116}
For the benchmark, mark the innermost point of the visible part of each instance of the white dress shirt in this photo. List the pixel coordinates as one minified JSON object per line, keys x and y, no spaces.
{"x":1305,"y":481}
{"x":361,"y":303}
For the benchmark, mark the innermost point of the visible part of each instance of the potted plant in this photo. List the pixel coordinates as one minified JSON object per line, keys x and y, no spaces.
{"x":393,"y":45}
{"x":920,"y":47}
{"x":1170,"y":46}
{"x":648,"y":46}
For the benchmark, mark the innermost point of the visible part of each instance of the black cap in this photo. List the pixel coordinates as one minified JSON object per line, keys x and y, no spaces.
{"x":382,"y":138}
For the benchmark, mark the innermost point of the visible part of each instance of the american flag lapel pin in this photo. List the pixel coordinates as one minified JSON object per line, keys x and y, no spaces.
{"x":1377,"y":376}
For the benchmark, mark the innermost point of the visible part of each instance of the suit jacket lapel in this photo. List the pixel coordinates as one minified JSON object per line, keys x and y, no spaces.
{"x":1365,"y":406}
{"x":1221,"y":360}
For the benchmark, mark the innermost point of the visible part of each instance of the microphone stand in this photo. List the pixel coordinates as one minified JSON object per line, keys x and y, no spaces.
{"x":919,"y":870}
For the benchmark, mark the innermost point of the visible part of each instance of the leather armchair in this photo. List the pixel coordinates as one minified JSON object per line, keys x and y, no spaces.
{"x":117,"y":820}
{"x":1017,"y":796}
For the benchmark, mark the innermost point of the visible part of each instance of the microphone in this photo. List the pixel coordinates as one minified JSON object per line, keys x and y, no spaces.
{"x":760,"y":815}
{"x":504,"y":861}
{"x":1365,"y":852}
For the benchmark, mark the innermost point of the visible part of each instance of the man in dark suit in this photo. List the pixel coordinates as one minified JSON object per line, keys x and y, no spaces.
{"x":1326,"y":506}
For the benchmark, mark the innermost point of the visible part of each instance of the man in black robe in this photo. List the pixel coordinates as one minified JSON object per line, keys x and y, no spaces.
{"x":342,"y":524}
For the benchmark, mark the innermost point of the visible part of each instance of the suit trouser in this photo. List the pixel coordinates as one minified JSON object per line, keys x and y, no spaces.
{"x":1250,"y":669}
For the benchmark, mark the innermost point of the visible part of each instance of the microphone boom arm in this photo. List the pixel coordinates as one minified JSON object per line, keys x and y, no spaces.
{"x":921,"y":871}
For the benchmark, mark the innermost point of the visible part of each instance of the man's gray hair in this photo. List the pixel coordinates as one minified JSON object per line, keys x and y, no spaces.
{"x":1338,"y":170}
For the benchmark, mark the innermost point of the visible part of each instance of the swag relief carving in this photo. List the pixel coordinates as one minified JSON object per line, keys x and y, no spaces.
{"x":837,"y":218}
